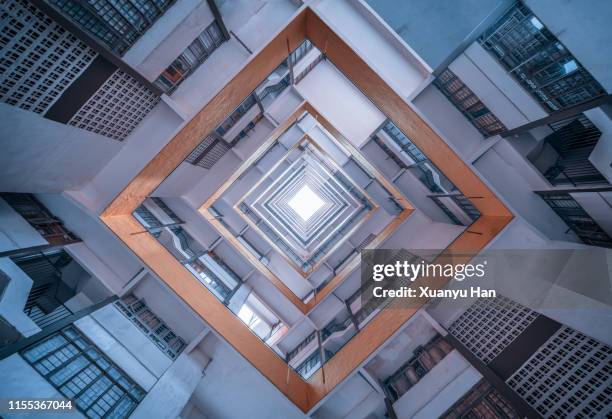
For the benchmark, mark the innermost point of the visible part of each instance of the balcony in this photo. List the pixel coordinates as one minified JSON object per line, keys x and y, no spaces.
{"x":50,"y":227}
{"x":457,"y":207}
{"x":151,"y":325}
{"x":194,"y":55}
{"x":563,"y":156}
{"x":538,"y":60}
{"x":585,"y":211}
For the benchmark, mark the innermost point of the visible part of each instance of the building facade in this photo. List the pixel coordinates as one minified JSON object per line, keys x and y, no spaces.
{"x":187,"y":186}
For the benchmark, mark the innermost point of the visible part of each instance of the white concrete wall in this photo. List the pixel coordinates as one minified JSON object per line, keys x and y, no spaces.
{"x":169,"y":37}
{"x":341,"y":103}
{"x":21,"y":382}
{"x":126,"y":354}
{"x":15,"y":231}
{"x":13,"y":298}
{"x":165,"y":304}
{"x":102,"y":254}
{"x":515,"y":180}
{"x":36,"y":153}
{"x":598,"y":206}
{"x":147,"y":139}
{"x":172,"y":392}
{"x":449,"y":122}
{"x":391,"y":58}
{"x":131,"y":338}
{"x":439,"y":389}
{"x":601,"y":156}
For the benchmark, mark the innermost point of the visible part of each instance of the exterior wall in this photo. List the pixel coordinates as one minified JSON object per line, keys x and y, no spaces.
{"x":22,"y":382}
{"x":143,"y":144}
{"x":345,"y":107}
{"x":168,"y":37}
{"x":15,"y":232}
{"x":172,"y":392}
{"x":101,"y":253}
{"x":130,"y":361}
{"x":515,"y":179}
{"x":13,"y":297}
{"x":354,"y":21}
{"x":439,"y":389}
{"x":502,"y":94}
{"x":435,"y":32}
{"x":36,"y":153}
{"x":601,"y":156}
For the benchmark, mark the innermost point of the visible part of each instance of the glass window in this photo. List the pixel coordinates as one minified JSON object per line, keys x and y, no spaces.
{"x":73,"y":365}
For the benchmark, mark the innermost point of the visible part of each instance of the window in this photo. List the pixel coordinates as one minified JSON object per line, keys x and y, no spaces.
{"x":79,"y":370}
{"x":570,"y":376}
{"x":195,"y":54}
{"x":489,"y":325}
{"x":118,"y":24}
{"x":482,"y":401}
{"x":469,"y":104}
{"x":537,"y":59}
{"x":116,"y":108}
{"x":39,"y":59}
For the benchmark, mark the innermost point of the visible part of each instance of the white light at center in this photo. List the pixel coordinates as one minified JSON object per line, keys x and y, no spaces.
{"x":306,"y":203}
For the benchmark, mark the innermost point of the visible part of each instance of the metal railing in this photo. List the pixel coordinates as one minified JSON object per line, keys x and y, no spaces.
{"x":538,"y":61}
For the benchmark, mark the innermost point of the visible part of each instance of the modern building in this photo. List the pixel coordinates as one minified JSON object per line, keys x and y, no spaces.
{"x":187,"y":186}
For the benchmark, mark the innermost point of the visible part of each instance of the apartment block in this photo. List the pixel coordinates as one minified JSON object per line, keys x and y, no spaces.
{"x":187,"y":188}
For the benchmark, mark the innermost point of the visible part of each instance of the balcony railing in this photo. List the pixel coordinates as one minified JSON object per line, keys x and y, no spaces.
{"x":539,"y":62}
{"x":469,"y":104}
{"x":152,"y":326}
{"x":310,"y":365}
{"x":577,"y":219}
{"x":573,"y":142}
{"x":39,"y":217}
{"x":413,"y":159}
{"x":193,"y":56}
{"x":424,"y":359}
{"x":457,"y":207}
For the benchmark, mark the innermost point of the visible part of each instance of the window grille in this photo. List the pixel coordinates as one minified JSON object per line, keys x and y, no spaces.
{"x":79,"y":370}
{"x":536,"y":58}
{"x":116,"y":108}
{"x":152,"y":326}
{"x":577,"y":218}
{"x":424,"y":359}
{"x":570,"y":376}
{"x":194,"y":55}
{"x":117,"y":24}
{"x":489,"y":325}
{"x":35,"y":213}
{"x":39,"y":58}
{"x":469,"y":104}
{"x":482,"y":401}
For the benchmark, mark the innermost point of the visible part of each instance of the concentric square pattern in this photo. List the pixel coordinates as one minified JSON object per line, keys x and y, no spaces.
{"x":307,"y":208}
{"x":304,"y":223}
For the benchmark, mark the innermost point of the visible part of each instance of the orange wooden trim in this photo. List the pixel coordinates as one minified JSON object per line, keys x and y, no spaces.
{"x":209,"y":117}
{"x":401,"y":113}
{"x":117,"y":216}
